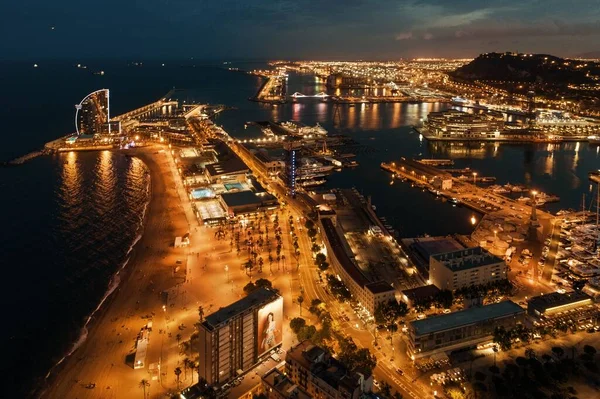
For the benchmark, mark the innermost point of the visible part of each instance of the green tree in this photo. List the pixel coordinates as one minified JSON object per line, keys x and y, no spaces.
{"x":558,"y":351}
{"x":201,"y":313}
{"x":323,"y":266}
{"x":307,"y":332}
{"x":589,"y":349}
{"x":297,"y":323}
{"x":502,"y":337}
{"x":444,"y":299}
{"x":320,"y":258}
{"x":358,"y":360}
{"x":248,"y":288}
{"x":263,"y":283}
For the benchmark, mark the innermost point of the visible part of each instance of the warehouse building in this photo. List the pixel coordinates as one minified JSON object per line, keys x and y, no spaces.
{"x":462,"y":329}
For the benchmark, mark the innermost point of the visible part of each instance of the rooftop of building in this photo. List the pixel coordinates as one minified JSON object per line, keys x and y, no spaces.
{"x":255,"y":299}
{"x":556,"y":299}
{"x":321,"y":364}
{"x":263,"y":156}
{"x":465,"y":317}
{"x":243,"y":198}
{"x":340,"y":253}
{"x":428,"y":246}
{"x":423,"y":292}
{"x":228,"y":162}
{"x":379,"y":287}
{"x":283,"y":385}
{"x":467,"y":258}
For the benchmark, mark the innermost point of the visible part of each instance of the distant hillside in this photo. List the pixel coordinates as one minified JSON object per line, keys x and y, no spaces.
{"x":590,"y":55}
{"x":537,"y":69}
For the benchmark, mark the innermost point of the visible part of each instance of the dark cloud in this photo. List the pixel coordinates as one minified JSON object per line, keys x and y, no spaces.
{"x":292,"y":28}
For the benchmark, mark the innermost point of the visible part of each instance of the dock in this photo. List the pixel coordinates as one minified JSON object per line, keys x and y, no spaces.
{"x":462,"y":192}
{"x":436,"y":162}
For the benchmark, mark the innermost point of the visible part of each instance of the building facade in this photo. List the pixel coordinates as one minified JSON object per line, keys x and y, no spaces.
{"x":464,"y":268}
{"x":368,"y":293}
{"x":457,"y":124}
{"x":235,"y":338}
{"x":555,"y":302}
{"x":462,"y":329}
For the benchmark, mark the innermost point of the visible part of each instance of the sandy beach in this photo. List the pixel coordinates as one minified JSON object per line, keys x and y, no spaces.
{"x":112,"y":333}
{"x":215,"y":277}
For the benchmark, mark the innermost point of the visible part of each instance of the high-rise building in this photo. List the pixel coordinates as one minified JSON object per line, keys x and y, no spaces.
{"x":92,"y":115}
{"x":465,"y":268}
{"x":236,"y":337}
{"x":291,"y":151}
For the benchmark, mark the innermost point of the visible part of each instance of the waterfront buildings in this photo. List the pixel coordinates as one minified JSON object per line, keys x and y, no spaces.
{"x":314,"y":370}
{"x":554,"y":303}
{"x":242,"y":202}
{"x":368,"y":293}
{"x":462,"y":125}
{"x":462,"y":329}
{"x":233,"y":339}
{"x":464,"y":268}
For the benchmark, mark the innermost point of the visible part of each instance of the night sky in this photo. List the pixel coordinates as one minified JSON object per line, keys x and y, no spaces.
{"x":319,"y":29}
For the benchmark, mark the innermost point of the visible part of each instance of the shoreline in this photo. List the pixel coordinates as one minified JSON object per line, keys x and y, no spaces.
{"x":114,"y":284}
{"x":119,"y":306}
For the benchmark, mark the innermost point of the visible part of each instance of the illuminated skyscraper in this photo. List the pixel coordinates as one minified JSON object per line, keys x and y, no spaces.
{"x":291,"y":150}
{"x":234,"y":339}
{"x":92,"y":114}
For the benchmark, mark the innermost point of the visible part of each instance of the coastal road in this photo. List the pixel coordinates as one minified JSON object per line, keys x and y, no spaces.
{"x":311,"y":289}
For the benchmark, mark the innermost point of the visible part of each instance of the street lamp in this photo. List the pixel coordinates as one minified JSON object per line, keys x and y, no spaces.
{"x":475,"y":178}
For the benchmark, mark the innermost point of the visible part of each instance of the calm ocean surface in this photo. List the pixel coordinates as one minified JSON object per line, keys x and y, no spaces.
{"x":69,"y":220}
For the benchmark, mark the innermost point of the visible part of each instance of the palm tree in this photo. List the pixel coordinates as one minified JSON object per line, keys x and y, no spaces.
{"x":300,"y":300}
{"x":178,"y":338}
{"x":177,"y":372}
{"x":188,"y":364}
{"x":144,"y":383}
{"x":192,"y":366}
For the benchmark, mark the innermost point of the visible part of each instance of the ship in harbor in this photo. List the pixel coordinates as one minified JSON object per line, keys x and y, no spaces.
{"x":594,"y":140}
{"x":310,"y":166}
{"x":298,"y":129}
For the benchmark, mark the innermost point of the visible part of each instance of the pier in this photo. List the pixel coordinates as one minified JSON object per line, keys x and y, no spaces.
{"x":441,"y":183}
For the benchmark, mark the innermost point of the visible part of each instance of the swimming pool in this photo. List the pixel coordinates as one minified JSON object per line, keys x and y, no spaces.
{"x":200,"y":193}
{"x":233,"y":186}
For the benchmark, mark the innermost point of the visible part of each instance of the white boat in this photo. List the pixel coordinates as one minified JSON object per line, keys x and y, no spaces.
{"x":310,"y":166}
{"x":297,"y":129}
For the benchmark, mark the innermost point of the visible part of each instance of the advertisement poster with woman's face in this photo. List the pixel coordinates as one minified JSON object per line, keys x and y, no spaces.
{"x":270,"y":322}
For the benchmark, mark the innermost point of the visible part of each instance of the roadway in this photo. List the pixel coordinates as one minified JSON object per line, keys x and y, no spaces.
{"x":311,"y":289}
